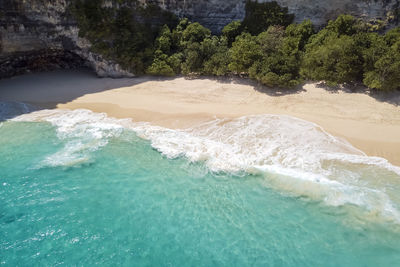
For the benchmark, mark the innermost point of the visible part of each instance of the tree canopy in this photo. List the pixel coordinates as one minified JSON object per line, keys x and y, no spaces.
{"x":265,"y":46}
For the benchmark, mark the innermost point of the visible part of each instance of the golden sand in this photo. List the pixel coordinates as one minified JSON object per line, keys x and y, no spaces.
{"x":369,"y":124}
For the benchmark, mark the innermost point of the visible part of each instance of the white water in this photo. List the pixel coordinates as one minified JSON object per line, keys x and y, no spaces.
{"x":84,"y":132}
{"x":296,"y":156}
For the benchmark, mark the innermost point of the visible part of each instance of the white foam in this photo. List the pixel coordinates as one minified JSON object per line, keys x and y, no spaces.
{"x":309,"y":161}
{"x":295,"y":155}
{"x":82,"y":130}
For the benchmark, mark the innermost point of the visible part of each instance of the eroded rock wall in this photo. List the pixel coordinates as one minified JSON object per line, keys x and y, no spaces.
{"x":38,"y":31}
{"x":40,"y":35}
{"x":320,"y":11}
{"x":216,"y":13}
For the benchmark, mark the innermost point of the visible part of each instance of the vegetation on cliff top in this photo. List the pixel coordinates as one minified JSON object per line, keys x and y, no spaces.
{"x":265,"y":46}
{"x":123,"y":31}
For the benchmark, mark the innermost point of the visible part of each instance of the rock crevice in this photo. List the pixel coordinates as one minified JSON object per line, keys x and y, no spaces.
{"x":41,"y":34}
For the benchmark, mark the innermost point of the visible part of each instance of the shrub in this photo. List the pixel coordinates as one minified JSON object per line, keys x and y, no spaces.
{"x":216,"y":56}
{"x":160,"y":67}
{"x":123,"y":34}
{"x":259,"y":16}
{"x":231,"y":31}
{"x":265,"y":46}
{"x":243,"y":53}
{"x":386,"y":73}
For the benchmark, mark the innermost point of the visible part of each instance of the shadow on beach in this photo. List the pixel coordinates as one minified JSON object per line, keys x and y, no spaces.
{"x":46,"y":90}
{"x":392,"y":97}
{"x":255,"y":84}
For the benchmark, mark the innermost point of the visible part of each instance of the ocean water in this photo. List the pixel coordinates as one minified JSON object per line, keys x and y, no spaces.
{"x":79,"y":188}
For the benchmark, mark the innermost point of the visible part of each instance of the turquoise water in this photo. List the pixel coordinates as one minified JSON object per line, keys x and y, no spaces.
{"x":92,"y":192}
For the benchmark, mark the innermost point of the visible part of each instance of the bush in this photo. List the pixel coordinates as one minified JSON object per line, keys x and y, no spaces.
{"x":333,"y":54}
{"x":125,"y":34}
{"x":336,"y":61}
{"x":164,"y":40}
{"x":175,"y":61}
{"x":282,"y":55}
{"x":265,"y":46}
{"x":344,"y":25}
{"x":231,"y":31}
{"x":243,"y":53}
{"x":386,"y":73}
{"x":160,"y":67}
{"x":194,"y":33}
{"x":259,"y":16}
{"x":193,"y":61}
{"x":216,"y":56}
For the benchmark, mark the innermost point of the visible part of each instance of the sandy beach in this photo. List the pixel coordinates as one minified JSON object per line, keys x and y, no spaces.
{"x":372,"y":124}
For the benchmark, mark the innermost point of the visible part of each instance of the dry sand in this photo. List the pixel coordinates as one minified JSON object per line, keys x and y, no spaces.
{"x":369,"y":124}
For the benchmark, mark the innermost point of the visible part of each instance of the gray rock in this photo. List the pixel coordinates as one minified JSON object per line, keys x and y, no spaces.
{"x":39,"y":34}
{"x":215,"y":14}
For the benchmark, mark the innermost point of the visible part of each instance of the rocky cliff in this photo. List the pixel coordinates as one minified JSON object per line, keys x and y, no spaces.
{"x":215,"y":14}
{"x":40,"y":34}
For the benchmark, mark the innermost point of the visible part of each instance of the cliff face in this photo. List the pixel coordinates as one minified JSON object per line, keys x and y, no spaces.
{"x":215,"y":14}
{"x":319,"y":12}
{"x":39,"y":34}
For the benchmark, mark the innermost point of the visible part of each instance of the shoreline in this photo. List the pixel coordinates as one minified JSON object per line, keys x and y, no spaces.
{"x":371,"y":125}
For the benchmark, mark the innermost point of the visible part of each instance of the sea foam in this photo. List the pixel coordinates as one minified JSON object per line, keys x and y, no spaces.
{"x":82,"y":131}
{"x":293,"y":155}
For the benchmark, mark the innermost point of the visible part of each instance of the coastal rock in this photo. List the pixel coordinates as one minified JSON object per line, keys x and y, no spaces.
{"x":41,"y":34}
{"x":215,"y":14}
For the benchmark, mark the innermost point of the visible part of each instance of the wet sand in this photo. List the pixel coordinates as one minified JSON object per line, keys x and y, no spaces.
{"x":368,"y":123}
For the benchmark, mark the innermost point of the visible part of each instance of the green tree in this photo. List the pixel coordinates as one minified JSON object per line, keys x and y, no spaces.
{"x":334,"y":54}
{"x":282,"y":55}
{"x":392,"y":36}
{"x":164,"y":40}
{"x":231,"y":31}
{"x":124,"y":34}
{"x":344,"y":25}
{"x":271,"y":40}
{"x":194,"y":32}
{"x":386,"y":72}
{"x":216,"y":56}
{"x":372,"y":46}
{"x":160,"y":67}
{"x":175,"y":61}
{"x":243,"y":53}
{"x":338,"y":60}
{"x":193,"y":62}
{"x":192,"y":38}
{"x":177,"y":35}
{"x":259,"y":16}
{"x":299,"y":34}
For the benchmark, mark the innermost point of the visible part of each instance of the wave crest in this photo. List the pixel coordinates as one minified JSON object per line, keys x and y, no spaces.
{"x":81,"y":130}
{"x":294,"y":155}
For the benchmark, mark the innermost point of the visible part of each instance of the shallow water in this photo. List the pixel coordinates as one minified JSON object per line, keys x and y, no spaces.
{"x":79,"y":188}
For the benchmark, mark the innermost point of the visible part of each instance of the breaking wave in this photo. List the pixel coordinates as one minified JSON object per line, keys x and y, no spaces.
{"x":293,"y":155}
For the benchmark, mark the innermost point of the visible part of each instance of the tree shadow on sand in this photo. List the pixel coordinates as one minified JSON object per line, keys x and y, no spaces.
{"x":21,"y":94}
{"x":392,"y":97}
{"x":64,"y":86}
{"x":271,"y":91}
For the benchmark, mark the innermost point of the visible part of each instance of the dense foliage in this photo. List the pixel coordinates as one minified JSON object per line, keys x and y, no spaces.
{"x":123,"y":31}
{"x":345,"y":51}
{"x":265,"y":46}
{"x":259,"y":16}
